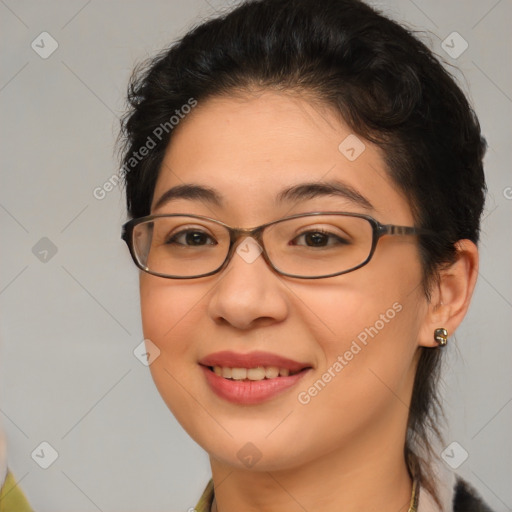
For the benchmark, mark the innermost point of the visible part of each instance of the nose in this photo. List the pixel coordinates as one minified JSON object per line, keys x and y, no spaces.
{"x":249,"y":292}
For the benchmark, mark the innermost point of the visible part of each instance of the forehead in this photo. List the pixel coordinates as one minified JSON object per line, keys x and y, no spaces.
{"x":249,"y":149}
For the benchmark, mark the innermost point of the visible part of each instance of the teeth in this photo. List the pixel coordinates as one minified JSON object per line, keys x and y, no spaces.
{"x":238,"y":373}
{"x":259,"y":373}
{"x":271,"y":372}
{"x":256,"y":373}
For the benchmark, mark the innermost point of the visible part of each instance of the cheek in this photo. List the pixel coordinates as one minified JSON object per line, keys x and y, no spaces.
{"x":366,"y":370}
{"x":362,"y":334}
{"x":169,"y":313}
{"x":168,"y":309}
{"x":367,"y":333}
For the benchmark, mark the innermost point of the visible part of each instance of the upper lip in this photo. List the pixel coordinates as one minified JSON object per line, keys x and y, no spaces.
{"x":228,"y":359}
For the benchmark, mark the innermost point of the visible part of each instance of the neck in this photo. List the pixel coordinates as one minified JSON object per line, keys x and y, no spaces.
{"x":373,"y":477}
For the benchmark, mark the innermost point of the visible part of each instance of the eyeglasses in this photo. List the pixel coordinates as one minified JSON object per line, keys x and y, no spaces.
{"x":307,"y":246}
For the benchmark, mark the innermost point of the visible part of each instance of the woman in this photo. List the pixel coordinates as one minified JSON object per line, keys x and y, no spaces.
{"x":305,"y":184}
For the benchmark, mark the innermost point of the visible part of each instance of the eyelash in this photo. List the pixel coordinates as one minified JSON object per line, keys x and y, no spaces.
{"x":184,"y":232}
{"x":325,"y":233}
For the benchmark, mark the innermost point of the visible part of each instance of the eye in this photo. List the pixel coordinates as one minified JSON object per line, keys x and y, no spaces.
{"x":191,"y":238}
{"x":318,"y":238}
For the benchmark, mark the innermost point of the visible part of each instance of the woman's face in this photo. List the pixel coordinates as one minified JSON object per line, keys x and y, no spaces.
{"x":357,"y":333}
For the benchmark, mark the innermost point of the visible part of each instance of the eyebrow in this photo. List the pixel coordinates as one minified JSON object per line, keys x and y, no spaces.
{"x":301,"y":191}
{"x":190,"y":191}
{"x":304,"y":191}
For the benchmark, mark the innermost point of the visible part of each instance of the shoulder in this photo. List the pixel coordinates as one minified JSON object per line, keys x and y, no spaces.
{"x":467,"y":499}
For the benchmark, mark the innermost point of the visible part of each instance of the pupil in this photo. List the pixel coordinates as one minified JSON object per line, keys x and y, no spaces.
{"x":317,"y":239}
{"x":195,"y":238}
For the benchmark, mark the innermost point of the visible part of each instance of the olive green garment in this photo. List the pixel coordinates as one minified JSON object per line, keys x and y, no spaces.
{"x":12,"y":498}
{"x":205,"y":501}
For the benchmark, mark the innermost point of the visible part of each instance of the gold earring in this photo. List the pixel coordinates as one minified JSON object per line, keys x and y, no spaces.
{"x":441,"y":336}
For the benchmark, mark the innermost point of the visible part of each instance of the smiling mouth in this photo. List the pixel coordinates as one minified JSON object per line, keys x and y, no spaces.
{"x":253,"y":385}
{"x":253,"y":374}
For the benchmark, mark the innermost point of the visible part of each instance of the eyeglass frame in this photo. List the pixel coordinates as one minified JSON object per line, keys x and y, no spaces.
{"x":378,"y":231}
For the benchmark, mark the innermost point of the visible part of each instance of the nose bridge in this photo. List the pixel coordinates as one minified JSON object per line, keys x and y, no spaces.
{"x":237,"y":237}
{"x":249,"y":289}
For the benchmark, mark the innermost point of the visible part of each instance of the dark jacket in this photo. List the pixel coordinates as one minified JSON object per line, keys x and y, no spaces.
{"x":466,"y":499}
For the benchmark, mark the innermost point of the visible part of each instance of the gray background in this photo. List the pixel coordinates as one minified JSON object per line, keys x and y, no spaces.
{"x":69,"y":325}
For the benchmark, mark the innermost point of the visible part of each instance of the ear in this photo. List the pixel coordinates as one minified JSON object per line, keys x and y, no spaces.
{"x":451,"y":296}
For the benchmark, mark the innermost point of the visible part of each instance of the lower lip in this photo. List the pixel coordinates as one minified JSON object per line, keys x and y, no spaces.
{"x":250,"y":392}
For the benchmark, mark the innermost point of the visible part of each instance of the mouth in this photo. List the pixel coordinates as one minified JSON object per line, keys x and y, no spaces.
{"x":248,"y":379}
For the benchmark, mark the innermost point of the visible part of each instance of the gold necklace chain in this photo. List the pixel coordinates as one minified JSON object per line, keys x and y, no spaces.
{"x":413,"y":505}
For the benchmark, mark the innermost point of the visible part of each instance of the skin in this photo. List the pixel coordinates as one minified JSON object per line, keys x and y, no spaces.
{"x":344,"y":449}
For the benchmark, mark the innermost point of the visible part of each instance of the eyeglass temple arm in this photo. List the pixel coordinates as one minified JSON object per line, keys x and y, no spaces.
{"x":392,"y":229}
